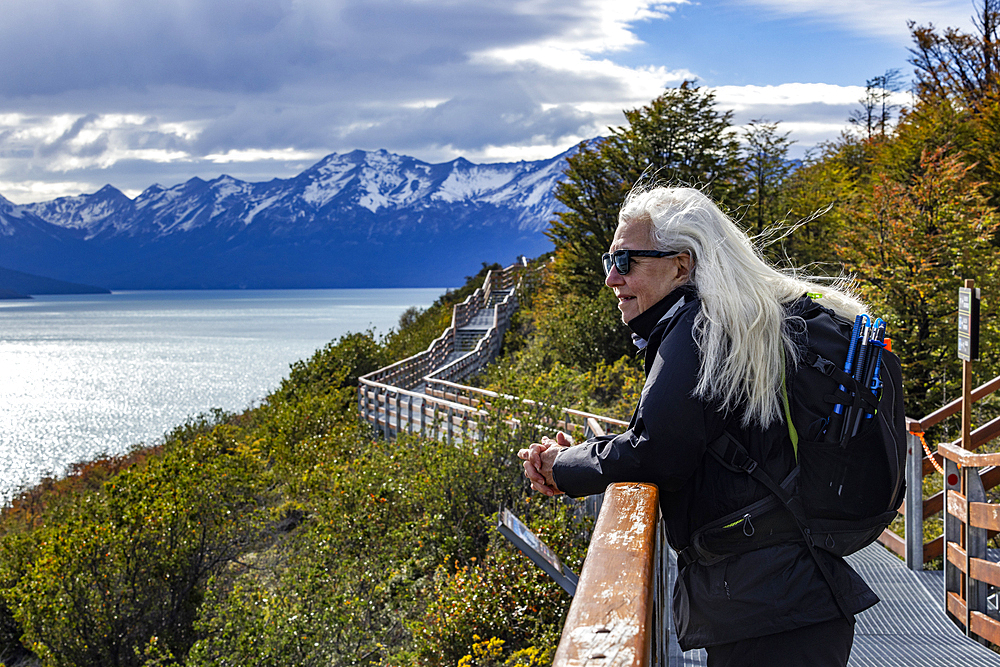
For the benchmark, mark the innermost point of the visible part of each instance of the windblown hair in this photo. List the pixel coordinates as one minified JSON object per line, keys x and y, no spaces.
{"x":743,"y":332}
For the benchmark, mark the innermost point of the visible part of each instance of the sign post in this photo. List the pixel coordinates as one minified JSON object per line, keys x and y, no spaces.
{"x":968,"y":351}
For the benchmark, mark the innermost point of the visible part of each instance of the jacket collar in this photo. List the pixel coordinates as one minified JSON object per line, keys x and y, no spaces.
{"x":642,"y":325}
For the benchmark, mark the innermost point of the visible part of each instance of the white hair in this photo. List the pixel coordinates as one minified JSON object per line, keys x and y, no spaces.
{"x":742,"y":331}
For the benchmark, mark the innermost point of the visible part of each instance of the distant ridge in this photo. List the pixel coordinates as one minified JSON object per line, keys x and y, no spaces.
{"x":19,"y":285}
{"x":10,"y":294}
{"x":361,"y":219}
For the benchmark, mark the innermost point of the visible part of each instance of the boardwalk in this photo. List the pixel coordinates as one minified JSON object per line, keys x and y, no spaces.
{"x":421,"y":394}
{"x":906,"y":629}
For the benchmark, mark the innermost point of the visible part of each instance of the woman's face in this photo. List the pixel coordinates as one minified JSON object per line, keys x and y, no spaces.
{"x":649,"y":279}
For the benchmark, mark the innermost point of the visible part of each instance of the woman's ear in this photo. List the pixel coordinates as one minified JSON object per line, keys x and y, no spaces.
{"x":684,"y":267}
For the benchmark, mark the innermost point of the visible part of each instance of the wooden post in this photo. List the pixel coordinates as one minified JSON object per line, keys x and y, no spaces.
{"x":423,"y":419}
{"x":914,"y":503}
{"x":399,"y":416}
{"x":952,"y":533}
{"x":382,"y":398}
{"x":409,"y":414}
{"x":450,"y":427}
{"x":975,"y":546}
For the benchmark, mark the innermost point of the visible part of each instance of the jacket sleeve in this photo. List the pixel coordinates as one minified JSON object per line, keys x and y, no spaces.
{"x":667,"y":437}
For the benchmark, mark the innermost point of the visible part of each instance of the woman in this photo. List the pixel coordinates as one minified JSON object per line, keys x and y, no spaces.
{"x":718,"y":328}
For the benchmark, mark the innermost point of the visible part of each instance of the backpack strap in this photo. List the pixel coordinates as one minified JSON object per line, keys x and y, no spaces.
{"x":728,"y":451}
{"x":793,"y":435}
{"x":852,"y":395}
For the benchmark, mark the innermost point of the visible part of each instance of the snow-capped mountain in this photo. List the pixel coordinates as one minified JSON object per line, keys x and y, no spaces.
{"x":358,"y":219}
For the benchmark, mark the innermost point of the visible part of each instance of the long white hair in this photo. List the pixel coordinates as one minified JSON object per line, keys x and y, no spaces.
{"x":743,"y":332}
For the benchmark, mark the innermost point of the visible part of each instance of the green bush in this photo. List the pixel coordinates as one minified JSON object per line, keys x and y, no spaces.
{"x":505,"y":597}
{"x":291,"y":534}
{"x":130,"y":562}
{"x":335,"y":366}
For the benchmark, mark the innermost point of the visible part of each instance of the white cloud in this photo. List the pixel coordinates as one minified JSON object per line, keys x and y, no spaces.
{"x":740,"y":98}
{"x":884,"y":18}
{"x":258,"y":82}
{"x":268,"y":86}
{"x":26,"y":192}
{"x":812,"y":113}
{"x":259,"y":155}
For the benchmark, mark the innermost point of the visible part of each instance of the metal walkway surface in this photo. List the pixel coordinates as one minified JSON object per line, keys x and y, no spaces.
{"x":907,"y":628}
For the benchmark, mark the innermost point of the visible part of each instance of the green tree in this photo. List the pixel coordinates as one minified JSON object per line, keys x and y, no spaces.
{"x":767,"y":168}
{"x":874,"y":118}
{"x":680,"y":137}
{"x":815,"y":194}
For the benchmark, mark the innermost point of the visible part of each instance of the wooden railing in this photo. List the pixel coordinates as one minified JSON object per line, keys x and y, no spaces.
{"x":968,"y":521}
{"x":613,"y":616}
{"x":456,"y":413}
{"x":620,"y":611}
{"x":916,"y":509}
{"x":487,"y":348}
{"x":522,"y":409}
{"x":419,"y":395}
{"x":395,"y":411}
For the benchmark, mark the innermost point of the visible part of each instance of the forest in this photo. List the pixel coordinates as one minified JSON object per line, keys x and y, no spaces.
{"x":292,"y":534}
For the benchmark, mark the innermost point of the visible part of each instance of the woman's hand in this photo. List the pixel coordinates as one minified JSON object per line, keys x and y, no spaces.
{"x":538,"y":460}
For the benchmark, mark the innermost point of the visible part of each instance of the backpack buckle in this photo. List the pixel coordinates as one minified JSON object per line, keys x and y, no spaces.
{"x":824,"y":366}
{"x":741,"y":460}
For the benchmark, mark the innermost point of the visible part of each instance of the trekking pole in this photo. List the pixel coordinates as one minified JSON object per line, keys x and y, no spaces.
{"x":872,"y":380}
{"x":856,"y":371}
{"x":870,"y":357}
{"x":838,"y":409}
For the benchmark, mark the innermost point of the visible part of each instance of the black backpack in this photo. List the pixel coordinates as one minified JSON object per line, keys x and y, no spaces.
{"x":847,"y":484}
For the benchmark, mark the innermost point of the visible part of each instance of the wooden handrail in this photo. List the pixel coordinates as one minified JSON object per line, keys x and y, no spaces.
{"x":458,"y":407}
{"x":610,"y":621}
{"x":527,"y":401}
{"x":933,"y":505}
{"x":966,"y":458}
{"x":970,"y":520}
{"x":939,"y":415}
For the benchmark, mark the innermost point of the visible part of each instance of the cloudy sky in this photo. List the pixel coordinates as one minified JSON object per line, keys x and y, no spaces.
{"x":136,"y":92}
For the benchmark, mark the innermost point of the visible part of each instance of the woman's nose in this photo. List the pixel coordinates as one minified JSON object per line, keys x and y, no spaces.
{"x":614,"y":278}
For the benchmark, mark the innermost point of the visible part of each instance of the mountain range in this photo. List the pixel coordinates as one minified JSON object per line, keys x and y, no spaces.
{"x":361,"y":219}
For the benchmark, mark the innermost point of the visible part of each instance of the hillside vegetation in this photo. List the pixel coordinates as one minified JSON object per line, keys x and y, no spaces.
{"x":292,"y":534}
{"x":289,"y":534}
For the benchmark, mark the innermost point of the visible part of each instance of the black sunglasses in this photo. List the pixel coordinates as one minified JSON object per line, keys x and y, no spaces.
{"x":620,"y":258}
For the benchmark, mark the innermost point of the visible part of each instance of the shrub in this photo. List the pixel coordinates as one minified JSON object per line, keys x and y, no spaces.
{"x":130,"y":561}
{"x":504,"y":597}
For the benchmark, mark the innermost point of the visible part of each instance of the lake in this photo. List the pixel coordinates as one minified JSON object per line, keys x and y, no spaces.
{"x":86,"y":375}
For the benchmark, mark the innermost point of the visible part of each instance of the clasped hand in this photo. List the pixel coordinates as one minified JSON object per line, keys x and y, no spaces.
{"x":538,"y":460}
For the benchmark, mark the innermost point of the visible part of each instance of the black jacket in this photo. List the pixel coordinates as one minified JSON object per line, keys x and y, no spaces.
{"x":748,"y":595}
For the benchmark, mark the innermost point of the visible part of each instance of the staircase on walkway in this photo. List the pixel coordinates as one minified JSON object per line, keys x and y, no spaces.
{"x":422,"y":394}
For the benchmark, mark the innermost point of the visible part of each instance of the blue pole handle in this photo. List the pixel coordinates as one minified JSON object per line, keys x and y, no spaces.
{"x":859,"y":322}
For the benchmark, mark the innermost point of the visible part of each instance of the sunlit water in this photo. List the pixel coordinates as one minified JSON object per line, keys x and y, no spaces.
{"x":86,"y":375}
